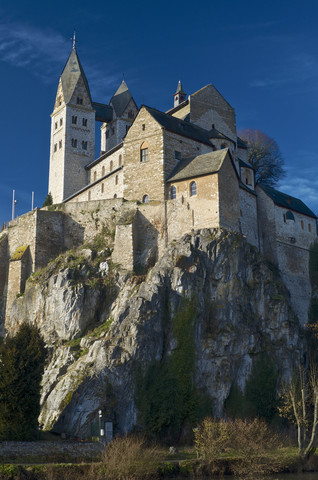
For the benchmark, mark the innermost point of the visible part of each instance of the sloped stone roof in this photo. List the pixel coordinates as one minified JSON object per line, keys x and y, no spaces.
{"x":201,"y":165}
{"x":287,"y":201}
{"x":181,"y":127}
{"x":120,"y":99}
{"x":70,"y":76}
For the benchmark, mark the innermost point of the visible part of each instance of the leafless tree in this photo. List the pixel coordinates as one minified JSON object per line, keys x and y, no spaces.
{"x":265,"y":156}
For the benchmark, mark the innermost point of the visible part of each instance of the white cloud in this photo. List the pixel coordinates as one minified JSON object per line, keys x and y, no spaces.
{"x":302,"y":183}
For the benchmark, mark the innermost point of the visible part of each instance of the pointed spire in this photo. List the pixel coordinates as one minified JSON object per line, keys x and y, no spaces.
{"x":71,"y":74}
{"x":180,"y":89}
{"x":180,"y":95}
{"x":121,"y":98}
{"x":74,"y":40}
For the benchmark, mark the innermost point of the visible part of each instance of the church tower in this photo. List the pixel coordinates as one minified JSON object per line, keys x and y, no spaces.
{"x":72,"y":131}
{"x":179,"y":96}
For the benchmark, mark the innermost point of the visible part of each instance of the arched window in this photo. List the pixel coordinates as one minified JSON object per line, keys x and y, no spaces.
{"x":193,"y":189}
{"x":103,"y":171}
{"x":145,"y":199}
{"x":111,"y":165}
{"x":95,"y":176}
{"x":119,"y":160}
{"x":115,"y":195}
{"x":144,"y":152}
{"x":173,"y":192}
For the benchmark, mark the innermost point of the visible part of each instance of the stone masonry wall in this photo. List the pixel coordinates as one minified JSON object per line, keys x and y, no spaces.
{"x":187,"y":148}
{"x":144,"y":178}
{"x":248,"y":217}
{"x":229,"y":203}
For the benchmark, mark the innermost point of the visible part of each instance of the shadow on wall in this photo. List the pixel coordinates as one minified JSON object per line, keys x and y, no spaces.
{"x":146,"y":238}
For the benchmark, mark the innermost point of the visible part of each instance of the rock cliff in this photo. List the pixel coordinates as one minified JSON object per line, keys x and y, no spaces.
{"x":104,"y":327}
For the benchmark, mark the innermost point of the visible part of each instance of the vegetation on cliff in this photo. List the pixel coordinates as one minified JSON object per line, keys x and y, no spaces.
{"x":22,"y":360}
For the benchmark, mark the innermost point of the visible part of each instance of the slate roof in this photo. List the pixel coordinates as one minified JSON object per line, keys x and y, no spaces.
{"x":241,"y":143}
{"x":201,"y":165}
{"x":121,"y":99}
{"x":179,"y":88}
{"x":71,"y":74}
{"x":181,"y":127}
{"x":244,"y":164}
{"x":287,"y":201}
{"x":104,"y":113}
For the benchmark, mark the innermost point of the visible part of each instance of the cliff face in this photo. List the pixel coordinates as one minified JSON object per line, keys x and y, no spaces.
{"x":102,"y":334}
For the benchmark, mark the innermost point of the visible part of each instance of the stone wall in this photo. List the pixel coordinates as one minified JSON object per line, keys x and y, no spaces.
{"x":229,"y":203}
{"x":248,"y":217}
{"x":267,"y":225}
{"x":144,"y":178}
{"x":208,"y":107}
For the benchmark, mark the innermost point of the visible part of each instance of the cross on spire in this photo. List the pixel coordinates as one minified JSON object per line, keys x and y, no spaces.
{"x":74,"y":40}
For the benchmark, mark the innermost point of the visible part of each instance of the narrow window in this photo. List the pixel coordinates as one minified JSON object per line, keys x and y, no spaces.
{"x":84,"y":122}
{"x":107,"y":133}
{"x":60,"y":144}
{"x":145,"y":199}
{"x":79,"y":100}
{"x":103,"y":170}
{"x":74,"y":142}
{"x":302,"y":224}
{"x":173,"y":192}
{"x":144,"y":152}
{"x":144,"y":126}
{"x":102,"y":188}
{"x":89,"y":195}
{"x":130,"y":114}
{"x":309,"y":227}
{"x":119,"y":160}
{"x":55,"y":126}
{"x":59,"y":101}
{"x":193,"y":189}
{"x":55,"y":147}
{"x":115,"y":196}
{"x":248,"y":179}
{"x":95,"y":176}
{"x":112,"y":130}
{"x":74,"y":119}
{"x":111,"y":166}
{"x":61,"y":122}
{"x":84,"y":145}
{"x":177,"y":155}
{"x":116,"y":180}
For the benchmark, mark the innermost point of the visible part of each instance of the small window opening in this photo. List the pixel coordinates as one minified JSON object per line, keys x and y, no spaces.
{"x":116,"y":180}
{"x":95,"y":176}
{"x":177,"y":155}
{"x":84,"y":122}
{"x":309,"y":227}
{"x":302,"y":224}
{"x":102,"y":188}
{"x":145,"y":199}
{"x":119,"y":160}
{"x":84,"y":145}
{"x":173,"y":192}
{"x":74,"y":142}
{"x":111,"y":165}
{"x":74,"y":119}
{"x":61,"y":122}
{"x":79,"y":100}
{"x":60,"y":144}
{"x":144,"y":126}
{"x":193,"y":189}
{"x":55,"y":147}
{"x":55,"y":126}
{"x":103,"y":171}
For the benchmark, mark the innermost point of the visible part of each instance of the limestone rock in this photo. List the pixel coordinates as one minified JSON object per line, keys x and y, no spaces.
{"x":243,"y":309}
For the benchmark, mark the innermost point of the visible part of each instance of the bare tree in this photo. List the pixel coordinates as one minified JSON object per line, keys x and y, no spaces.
{"x":264,"y":155}
{"x":300,"y":404}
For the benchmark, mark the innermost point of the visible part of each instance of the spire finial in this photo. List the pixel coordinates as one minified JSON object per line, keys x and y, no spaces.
{"x":74,"y":40}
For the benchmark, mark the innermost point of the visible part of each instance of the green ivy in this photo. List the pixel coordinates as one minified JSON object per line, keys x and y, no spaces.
{"x":259,"y":398}
{"x":166,"y":396}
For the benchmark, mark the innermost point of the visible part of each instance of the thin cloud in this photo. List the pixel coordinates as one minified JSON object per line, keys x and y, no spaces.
{"x":302,"y":183}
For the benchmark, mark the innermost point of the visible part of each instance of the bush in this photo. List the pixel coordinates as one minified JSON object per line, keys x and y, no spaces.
{"x":249,"y":441}
{"x":128,"y":457}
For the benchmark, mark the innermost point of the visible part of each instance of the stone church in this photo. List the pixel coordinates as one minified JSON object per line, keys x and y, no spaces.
{"x":174,"y":171}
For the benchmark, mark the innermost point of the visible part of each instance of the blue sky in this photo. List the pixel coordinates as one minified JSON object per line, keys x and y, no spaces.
{"x":262,"y":56}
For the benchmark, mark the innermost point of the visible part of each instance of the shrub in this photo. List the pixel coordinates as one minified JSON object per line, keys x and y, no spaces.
{"x":129,"y":457}
{"x":211,"y":437}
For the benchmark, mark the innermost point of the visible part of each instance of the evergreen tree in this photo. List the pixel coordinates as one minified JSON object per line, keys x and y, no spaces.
{"x":48,"y":200}
{"x":22,"y":360}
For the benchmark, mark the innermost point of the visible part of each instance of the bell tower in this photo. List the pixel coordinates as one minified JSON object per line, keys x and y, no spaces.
{"x":179,"y":96}
{"x":72,"y":143}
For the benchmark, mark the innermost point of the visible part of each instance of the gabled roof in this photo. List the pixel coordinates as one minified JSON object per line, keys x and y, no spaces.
{"x":121,"y":99}
{"x":104,"y":113}
{"x":70,"y":76}
{"x":201,"y":165}
{"x":181,"y":127}
{"x":241,"y":143}
{"x":287,"y":201}
{"x":214,"y":133}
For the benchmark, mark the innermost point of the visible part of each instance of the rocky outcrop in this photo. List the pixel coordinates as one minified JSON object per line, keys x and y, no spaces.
{"x":241,"y":309}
